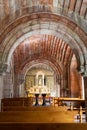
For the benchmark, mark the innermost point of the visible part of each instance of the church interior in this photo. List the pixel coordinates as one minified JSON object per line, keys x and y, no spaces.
{"x":43,"y":64}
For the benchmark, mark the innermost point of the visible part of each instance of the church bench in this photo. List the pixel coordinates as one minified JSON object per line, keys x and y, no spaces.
{"x":43,"y":126}
{"x":9,"y":103}
{"x":62,"y":101}
{"x":20,"y":104}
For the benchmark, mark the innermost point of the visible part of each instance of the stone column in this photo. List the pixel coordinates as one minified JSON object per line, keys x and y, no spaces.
{"x":58,"y":86}
{"x":85,"y":87}
{"x":21,"y":90}
{"x":7,"y":84}
{"x":1,"y":89}
{"x":62,"y":84}
{"x":16,"y":86}
{"x":83,"y":91}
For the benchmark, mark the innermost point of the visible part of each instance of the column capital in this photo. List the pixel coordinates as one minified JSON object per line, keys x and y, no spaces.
{"x":3,"y":69}
{"x":84,"y":74}
{"x":81,"y":69}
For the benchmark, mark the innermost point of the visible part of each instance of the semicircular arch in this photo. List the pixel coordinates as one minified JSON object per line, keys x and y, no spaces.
{"x":66,"y":34}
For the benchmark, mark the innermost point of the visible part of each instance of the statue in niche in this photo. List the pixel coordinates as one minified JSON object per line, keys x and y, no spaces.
{"x":40,"y":81}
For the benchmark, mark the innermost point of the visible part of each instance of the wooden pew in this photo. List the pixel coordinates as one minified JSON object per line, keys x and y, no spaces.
{"x":60,"y":101}
{"x":20,"y":104}
{"x":14,"y":103}
{"x":43,"y":126}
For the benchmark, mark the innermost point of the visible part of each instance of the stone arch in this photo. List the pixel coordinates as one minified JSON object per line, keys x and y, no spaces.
{"x":63,"y":30}
{"x":44,"y":25}
{"x":64,"y":36}
{"x":72,"y":38}
{"x":58,"y":71}
{"x":53,"y":8}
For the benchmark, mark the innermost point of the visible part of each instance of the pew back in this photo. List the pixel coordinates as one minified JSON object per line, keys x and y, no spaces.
{"x":8,"y":103}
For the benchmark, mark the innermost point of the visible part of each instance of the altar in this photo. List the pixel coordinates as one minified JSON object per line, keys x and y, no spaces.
{"x":39,"y":91}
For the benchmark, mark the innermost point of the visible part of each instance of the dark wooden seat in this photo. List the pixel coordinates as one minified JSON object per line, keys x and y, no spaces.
{"x":42,"y":126}
{"x":14,"y":103}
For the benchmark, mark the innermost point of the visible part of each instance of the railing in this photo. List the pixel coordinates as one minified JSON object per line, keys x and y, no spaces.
{"x":60,"y":101}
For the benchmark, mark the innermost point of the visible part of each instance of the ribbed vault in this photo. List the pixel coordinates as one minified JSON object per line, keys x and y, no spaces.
{"x":42,"y":47}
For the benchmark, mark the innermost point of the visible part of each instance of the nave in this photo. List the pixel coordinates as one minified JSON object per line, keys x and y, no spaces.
{"x":43,"y":52}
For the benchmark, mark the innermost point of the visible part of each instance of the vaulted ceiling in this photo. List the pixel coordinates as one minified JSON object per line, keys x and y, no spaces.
{"x":43,"y":47}
{"x":43,"y":30}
